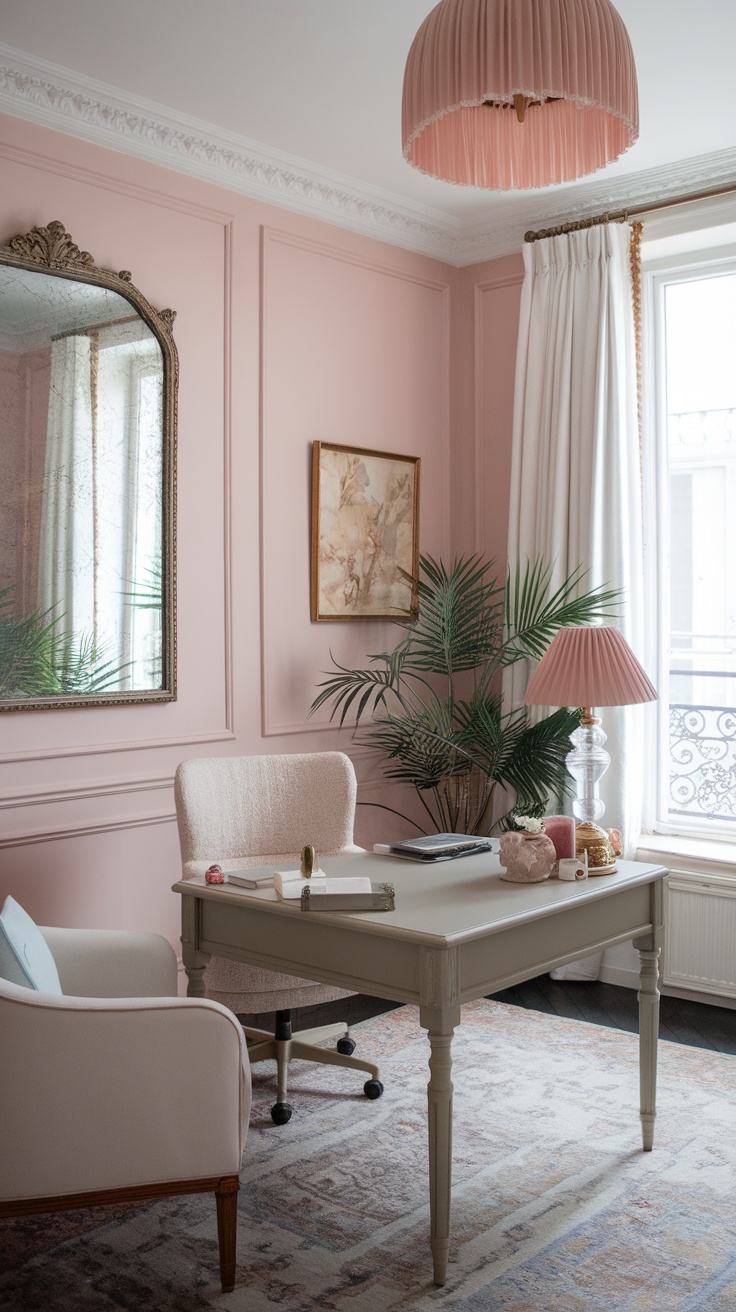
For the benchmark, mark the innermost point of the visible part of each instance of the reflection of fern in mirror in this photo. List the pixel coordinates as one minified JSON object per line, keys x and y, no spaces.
{"x":434,"y":703}
{"x":147,"y":594}
{"x":37,"y":659}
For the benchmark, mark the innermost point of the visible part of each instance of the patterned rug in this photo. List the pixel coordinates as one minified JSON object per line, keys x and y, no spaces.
{"x":555,"y":1208}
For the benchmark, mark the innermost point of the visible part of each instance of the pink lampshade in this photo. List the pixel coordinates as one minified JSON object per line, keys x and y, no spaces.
{"x":589,"y":667}
{"x":472,"y":61}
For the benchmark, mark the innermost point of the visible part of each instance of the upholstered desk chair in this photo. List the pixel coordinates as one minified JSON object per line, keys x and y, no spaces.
{"x":244,"y":811}
{"x":117,"y":1090}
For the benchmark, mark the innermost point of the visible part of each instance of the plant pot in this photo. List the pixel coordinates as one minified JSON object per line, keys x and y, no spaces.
{"x":527,"y":858}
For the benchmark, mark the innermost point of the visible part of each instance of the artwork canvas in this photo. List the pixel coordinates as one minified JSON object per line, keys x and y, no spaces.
{"x":365,"y":533}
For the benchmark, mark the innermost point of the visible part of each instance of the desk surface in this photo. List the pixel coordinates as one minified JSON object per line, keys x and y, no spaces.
{"x":440,"y":905}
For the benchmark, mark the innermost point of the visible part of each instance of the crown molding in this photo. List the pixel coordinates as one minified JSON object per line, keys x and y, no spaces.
{"x":81,"y":107}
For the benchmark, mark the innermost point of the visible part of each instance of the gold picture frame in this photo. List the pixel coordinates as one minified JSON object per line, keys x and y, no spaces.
{"x":365,"y":534}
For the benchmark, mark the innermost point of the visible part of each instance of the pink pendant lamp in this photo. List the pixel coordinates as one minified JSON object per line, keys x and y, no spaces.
{"x":508,"y":94}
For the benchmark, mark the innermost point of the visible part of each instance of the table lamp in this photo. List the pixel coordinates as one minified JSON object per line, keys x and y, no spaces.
{"x":588,"y":667}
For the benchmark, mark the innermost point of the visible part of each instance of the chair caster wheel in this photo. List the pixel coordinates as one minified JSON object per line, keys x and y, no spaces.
{"x":346,"y":1046}
{"x":373,"y":1089}
{"x":281,"y":1112}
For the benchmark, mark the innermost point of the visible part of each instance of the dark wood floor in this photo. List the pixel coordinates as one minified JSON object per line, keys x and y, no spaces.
{"x":695,"y":1023}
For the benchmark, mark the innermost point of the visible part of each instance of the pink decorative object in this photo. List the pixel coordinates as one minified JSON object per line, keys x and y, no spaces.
{"x":561,"y":829}
{"x":214,"y":875}
{"x":617,"y":842}
{"x":528,"y":858}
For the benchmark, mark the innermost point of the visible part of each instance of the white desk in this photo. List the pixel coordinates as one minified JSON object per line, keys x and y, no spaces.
{"x":458,"y":932}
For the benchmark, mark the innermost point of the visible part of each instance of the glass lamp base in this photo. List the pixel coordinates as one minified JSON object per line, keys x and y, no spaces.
{"x":587,"y":763}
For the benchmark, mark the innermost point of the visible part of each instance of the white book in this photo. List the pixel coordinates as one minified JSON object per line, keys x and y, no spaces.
{"x":289,"y":885}
{"x":259,"y":877}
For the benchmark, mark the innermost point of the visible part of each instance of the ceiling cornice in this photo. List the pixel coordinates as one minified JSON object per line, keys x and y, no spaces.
{"x":82,"y":107}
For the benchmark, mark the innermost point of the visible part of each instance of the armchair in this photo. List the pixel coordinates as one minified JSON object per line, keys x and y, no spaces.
{"x":106,"y":1091}
{"x":241,"y":811}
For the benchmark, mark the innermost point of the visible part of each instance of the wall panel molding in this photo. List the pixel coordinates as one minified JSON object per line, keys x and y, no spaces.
{"x":480,"y":393}
{"x":272,"y":724}
{"x":27,"y":837}
{"x":84,"y":791}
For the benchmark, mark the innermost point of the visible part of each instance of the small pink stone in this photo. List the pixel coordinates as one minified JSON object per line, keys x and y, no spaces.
{"x":214,"y":875}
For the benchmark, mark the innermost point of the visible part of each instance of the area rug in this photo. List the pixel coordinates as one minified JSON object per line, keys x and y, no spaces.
{"x":555,"y":1207}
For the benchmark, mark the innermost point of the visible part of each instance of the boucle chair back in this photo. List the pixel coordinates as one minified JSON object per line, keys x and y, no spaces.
{"x":229,"y":807}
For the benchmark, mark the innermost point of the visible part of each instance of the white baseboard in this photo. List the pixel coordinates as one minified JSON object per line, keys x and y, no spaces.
{"x":627,"y":979}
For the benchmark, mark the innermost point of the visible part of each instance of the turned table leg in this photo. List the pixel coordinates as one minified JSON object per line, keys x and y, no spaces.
{"x":195,"y":961}
{"x":648,"y":1035}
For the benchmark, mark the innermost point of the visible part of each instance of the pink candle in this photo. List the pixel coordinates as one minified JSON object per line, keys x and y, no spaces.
{"x":561,"y":829}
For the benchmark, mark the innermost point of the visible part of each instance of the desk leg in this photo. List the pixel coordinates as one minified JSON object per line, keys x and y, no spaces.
{"x":440,"y":1028}
{"x":648,"y":1035}
{"x":195,"y":961}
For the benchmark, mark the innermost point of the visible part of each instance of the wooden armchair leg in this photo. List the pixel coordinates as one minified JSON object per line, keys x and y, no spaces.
{"x":226,"y":1195}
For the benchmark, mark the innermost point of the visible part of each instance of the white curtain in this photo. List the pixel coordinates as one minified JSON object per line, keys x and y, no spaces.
{"x":576,"y":471}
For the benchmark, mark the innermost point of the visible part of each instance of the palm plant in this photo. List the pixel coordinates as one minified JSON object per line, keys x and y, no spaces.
{"x":433,"y":705}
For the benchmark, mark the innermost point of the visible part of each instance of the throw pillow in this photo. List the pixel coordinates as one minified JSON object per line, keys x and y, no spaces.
{"x":25,"y":956}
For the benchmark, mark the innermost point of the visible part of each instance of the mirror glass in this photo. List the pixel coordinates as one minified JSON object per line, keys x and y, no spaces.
{"x":87,"y":413}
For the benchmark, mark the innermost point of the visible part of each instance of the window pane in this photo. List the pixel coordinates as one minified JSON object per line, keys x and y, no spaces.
{"x":700,"y":344}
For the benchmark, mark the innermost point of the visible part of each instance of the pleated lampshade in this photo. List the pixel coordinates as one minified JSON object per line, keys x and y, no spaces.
{"x":589,"y":667}
{"x":509,"y":94}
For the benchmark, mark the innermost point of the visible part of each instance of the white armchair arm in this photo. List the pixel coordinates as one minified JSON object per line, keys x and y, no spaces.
{"x":111,"y":963}
{"x":113,"y":1093}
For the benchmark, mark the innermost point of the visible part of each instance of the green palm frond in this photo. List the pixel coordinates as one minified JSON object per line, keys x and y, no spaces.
{"x":533,"y":762}
{"x":460,"y":620}
{"x":533,"y":616}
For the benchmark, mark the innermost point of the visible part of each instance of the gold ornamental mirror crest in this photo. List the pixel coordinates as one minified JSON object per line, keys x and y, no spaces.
{"x":88,"y":413}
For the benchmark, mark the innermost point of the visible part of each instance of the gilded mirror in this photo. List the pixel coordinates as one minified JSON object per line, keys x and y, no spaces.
{"x":88,"y":381}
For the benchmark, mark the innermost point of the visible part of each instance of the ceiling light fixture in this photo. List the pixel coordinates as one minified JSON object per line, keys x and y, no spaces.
{"x":510,"y":94}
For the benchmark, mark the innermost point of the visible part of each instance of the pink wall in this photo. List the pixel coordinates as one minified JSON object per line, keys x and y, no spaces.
{"x":288,"y":330}
{"x":487,"y":327}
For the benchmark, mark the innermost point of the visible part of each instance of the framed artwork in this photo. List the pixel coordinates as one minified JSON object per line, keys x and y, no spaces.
{"x":365,"y":533}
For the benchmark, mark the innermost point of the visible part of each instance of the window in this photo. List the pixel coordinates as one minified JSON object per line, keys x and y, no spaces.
{"x":690,"y":498}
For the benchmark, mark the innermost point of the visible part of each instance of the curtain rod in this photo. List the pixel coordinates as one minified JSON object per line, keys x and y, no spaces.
{"x":621,"y":216}
{"x":94,"y":327}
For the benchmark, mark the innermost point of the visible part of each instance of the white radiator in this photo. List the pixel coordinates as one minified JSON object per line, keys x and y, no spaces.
{"x":700,"y":932}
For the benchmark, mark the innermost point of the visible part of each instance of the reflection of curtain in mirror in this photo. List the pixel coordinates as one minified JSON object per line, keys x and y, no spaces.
{"x":101,"y":521}
{"x":67,"y":549}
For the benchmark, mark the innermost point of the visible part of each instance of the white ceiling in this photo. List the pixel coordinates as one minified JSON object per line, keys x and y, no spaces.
{"x":299,"y":101}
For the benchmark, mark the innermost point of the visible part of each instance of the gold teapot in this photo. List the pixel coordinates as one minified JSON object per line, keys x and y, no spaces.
{"x":595,"y":841}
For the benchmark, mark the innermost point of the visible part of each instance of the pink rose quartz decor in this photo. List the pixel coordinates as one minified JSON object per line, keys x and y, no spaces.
{"x":616,"y":841}
{"x":561,"y":829}
{"x":528,"y":858}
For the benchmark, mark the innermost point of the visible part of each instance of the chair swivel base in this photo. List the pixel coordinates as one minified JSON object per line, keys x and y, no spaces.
{"x":283,"y":1047}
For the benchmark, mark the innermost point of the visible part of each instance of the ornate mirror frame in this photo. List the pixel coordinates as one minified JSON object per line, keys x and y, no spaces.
{"x":51,"y":250}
